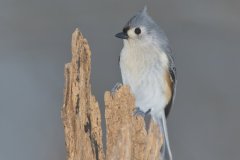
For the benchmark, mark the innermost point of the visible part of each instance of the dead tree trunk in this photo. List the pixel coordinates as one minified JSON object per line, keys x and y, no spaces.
{"x":127,"y":138}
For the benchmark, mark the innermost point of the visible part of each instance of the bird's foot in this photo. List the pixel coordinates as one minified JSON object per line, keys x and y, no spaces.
{"x":115,"y":88}
{"x":138,"y":111}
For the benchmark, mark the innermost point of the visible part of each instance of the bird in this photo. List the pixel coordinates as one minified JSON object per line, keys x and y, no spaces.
{"x":147,"y":67}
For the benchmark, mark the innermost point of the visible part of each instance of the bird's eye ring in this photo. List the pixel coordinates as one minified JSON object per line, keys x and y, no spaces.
{"x":137,"y":30}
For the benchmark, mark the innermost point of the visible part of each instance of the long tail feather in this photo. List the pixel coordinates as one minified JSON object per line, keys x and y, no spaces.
{"x":166,"y":153}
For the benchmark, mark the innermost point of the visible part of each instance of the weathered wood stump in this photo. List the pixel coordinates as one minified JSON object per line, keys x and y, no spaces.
{"x":127,"y":138}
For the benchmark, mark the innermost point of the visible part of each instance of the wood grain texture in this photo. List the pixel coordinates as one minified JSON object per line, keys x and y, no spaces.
{"x":80,"y":112}
{"x":127,"y":138}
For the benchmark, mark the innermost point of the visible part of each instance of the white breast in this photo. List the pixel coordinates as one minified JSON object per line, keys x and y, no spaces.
{"x":143,"y":69}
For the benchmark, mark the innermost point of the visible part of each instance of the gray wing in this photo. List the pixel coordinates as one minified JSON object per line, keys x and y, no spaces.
{"x":173,"y":74}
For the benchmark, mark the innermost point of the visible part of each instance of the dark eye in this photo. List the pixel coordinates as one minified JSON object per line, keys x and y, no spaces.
{"x":137,"y":31}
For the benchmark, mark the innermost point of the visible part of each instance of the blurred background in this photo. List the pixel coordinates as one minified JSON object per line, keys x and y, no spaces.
{"x":35,"y":41}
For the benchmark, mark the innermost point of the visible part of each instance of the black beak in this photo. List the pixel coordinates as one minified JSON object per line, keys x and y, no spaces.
{"x":122,"y":35}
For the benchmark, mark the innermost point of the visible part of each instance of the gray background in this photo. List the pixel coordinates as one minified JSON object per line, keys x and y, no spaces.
{"x":35,"y":44}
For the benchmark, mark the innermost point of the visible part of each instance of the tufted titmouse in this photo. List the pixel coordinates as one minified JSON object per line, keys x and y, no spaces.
{"x":147,"y":66}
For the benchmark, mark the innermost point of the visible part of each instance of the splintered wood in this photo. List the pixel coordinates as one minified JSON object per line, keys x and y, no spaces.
{"x":127,"y":138}
{"x":80,"y":113}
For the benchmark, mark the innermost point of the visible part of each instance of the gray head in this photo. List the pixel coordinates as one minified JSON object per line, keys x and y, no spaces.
{"x":141,"y":27}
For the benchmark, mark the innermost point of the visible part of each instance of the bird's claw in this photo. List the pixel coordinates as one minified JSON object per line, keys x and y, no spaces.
{"x":116,"y":87}
{"x":138,"y":111}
